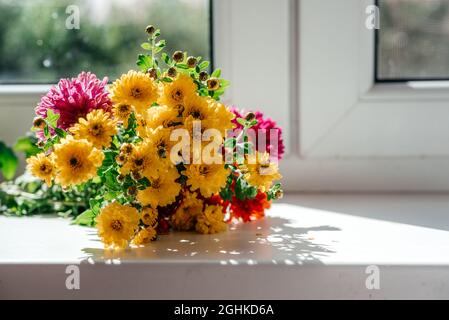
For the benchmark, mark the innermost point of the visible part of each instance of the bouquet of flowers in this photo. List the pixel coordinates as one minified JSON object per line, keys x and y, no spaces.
{"x":156,"y":150}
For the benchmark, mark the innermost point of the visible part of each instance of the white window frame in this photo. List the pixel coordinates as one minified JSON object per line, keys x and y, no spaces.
{"x":345,"y":132}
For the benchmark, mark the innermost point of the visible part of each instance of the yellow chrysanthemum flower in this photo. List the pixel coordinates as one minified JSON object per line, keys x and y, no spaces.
{"x":43,"y":167}
{"x":136,"y":89}
{"x":164,"y":116}
{"x":142,"y":124}
{"x":209,"y":179}
{"x":160,"y":143}
{"x":262,"y":173}
{"x":175,"y":92}
{"x":210,"y":114}
{"x":199,"y":109}
{"x":145,"y":161}
{"x":223,"y":117}
{"x":138,"y":160}
{"x":145,"y":236}
{"x":76,"y":161}
{"x":117,"y":224}
{"x":98,"y":128}
{"x":211,"y":220}
{"x":162,"y":191}
{"x":121,"y":112}
{"x":185,"y":215}
{"x":149,"y":216}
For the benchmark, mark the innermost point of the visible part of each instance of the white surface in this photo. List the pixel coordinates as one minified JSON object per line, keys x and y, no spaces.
{"x":309,"y":246}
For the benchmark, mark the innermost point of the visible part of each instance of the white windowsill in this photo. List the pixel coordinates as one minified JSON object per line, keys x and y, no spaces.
{"x":309,"y":246}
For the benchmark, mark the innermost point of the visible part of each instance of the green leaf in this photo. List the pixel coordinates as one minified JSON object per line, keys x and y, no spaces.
{"x":241,"y":121}
{"x":230,"y":143}
{"x":146,"y":46}
{"x":27,"y":146}
{"x":52,"y":118}
{"x":8,"y":161}
{"x":271,"y":194}
{"x":182,"y":66}
{"x":167,"y":79}
{"x":46,"y":132}
{"x":166,"y":58}
{"x":224,"y":83}
{"x":87,"y":218}
{"x":204,"y":65}
{"x":226,"y":194}
{"x":157,"y":50}
{"x":61,"y":133}
{"x":161,"y":44}
{"x":216,"y":73}
{"x":144,"y":62}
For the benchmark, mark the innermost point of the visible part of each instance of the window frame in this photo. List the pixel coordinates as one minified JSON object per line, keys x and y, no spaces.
{"x":322,"y":117}
{"x":343,"y":135}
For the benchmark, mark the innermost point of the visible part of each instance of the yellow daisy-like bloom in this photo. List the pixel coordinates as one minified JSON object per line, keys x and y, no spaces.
{"x":144,"y":236}
{"x":149,"y":216}
{"x":164,"y":116}
{"x":145,"y":161}
{"x":43,"y":167}
{"x":121,"y":112}
{"x":98,"y":128}
{"x":162,"y":191}
{"x":185,"y":215}
{"x":199,"y":109}
{"x":211,"y":220}
{"x":138,"y":160}
{"x":76,"y":161}
{"x":117,"y":224}
{"x":175,"y":92}
{"x":136,"y":89}
{"x":209,"y":179}
{"x":160,"y":143}
{"x":262,"y":173}
{"x":223,"y":117}
{"x":142,"y":124}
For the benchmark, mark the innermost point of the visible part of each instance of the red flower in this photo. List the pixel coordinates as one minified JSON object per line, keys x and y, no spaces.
{"x":264,"y":125}
{"x":74,"y":98}
{"x":249,"y":209}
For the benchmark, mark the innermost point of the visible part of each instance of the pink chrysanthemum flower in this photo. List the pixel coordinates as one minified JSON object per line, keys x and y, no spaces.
{"x":74,"y":98}
{"x":265,"y":124}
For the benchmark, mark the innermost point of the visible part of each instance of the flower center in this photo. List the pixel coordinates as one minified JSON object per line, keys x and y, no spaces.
{"x":44,"y":168}
{"x":204,"y":170}
{"x":196,"y":114}
{"x":177,"y":95}
{"x":96,"y":129}
{"x":161,"y":151}
{"x":74,"y":162}
{"x":124,"y":108}
{"x":116,"y":225}
{"x":138,"y":162}
{"x":156,"y":184}
{"x":180,"y":109}
{"x":136,"y":93}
